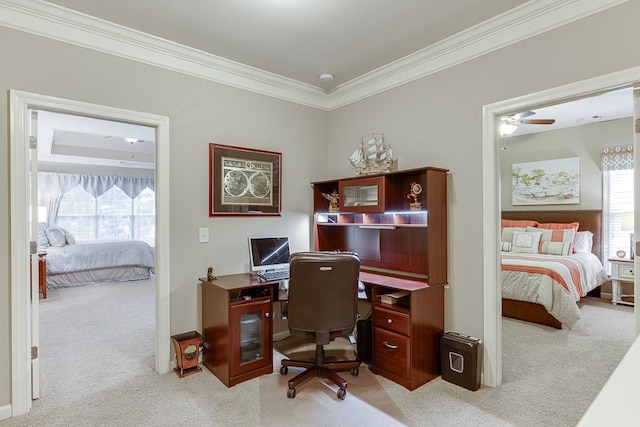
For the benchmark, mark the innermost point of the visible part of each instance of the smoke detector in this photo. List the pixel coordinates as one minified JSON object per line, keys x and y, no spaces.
{"x":326,"y":77}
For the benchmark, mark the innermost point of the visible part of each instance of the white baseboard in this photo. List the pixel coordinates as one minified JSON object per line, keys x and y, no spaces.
{"x":5,"y":412}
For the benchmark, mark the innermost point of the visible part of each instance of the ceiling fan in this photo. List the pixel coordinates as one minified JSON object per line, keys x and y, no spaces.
{"x":509,"y":123}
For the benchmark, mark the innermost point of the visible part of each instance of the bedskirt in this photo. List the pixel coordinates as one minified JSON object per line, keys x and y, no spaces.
{"x":97,"y":276}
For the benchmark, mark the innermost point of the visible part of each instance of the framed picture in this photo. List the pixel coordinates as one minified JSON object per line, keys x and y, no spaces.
{"x":243,"y":181}
{"x":548,"y":182}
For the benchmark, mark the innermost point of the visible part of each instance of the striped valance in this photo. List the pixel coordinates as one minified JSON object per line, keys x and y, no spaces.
{"x":617,"y":158}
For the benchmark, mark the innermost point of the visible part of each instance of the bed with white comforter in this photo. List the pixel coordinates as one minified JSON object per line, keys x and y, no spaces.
{"x":98,"y":261}
{"x":553,"y":281}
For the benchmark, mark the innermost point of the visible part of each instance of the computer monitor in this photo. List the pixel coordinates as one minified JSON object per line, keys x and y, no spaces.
{"x":268,"y":253}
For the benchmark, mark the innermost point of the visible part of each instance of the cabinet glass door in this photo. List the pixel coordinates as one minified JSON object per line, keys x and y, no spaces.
{"x":362,"y":195}
{"x":250,"y":332}
{"x":250,"y":336}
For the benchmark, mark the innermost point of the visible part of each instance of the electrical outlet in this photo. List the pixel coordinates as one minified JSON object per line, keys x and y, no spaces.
{"x":203,"y":235}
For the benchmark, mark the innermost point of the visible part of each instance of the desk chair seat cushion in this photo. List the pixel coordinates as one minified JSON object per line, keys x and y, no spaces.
{"x":323,"y":295}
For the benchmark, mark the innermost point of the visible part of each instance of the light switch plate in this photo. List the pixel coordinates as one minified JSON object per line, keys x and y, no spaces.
{"x":203,"y":235}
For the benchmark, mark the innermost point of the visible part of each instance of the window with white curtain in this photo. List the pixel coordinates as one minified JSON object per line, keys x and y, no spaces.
{"x":111,"y":215}
{"x":618,"y":177}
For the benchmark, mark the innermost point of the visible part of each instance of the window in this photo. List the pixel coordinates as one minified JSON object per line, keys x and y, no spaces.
{"x":112,"y":215}
{"x":618,"y":199}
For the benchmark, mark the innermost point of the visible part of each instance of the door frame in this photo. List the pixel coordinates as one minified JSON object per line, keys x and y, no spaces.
{"x":491,"y":206}
{"x":20,"y":104}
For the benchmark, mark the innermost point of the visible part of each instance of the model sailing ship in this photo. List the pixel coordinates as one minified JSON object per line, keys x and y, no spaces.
{"x":373,"y":155}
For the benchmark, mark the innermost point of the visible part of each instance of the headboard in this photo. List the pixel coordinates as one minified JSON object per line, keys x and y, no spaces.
{"x":589,"y":221}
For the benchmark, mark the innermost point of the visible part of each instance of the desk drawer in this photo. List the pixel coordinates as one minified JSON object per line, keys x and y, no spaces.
{"x":391,"y":352}
{"x":626,"y":272}
{"x":391,"y":320}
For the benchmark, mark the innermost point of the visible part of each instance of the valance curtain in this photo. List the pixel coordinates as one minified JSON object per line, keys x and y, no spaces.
{"x":51,"y":187}
{"x":617,"y":158}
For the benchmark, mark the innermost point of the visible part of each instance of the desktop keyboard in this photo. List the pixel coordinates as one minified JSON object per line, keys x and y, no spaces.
{"x":272,"y":275}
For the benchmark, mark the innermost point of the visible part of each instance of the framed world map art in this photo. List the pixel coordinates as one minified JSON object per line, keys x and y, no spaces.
{"x":244,"y":181}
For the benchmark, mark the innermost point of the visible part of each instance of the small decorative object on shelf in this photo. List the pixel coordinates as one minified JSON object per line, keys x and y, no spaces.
{"x":373,"y":155}
{"x":210,"y":275}
{"x":334,"y":199}
{"x":187,"y":346}
{"x":621,"y":253}
{"x":416,"y":189}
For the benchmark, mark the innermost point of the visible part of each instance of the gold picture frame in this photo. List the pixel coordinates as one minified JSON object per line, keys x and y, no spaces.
{"x":244,"y":181}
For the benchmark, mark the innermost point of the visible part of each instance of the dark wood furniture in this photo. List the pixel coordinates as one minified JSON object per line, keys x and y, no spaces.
{"x":237,"y":327}
{"x":589,"y":220}
{"x":400,"y":250}
{"x":42,"y":273}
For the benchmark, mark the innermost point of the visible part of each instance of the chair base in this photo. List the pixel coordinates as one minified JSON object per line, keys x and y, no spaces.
{"x":320,"y":369}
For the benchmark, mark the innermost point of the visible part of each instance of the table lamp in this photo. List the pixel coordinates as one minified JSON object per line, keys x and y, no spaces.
{"x":627,"y":224}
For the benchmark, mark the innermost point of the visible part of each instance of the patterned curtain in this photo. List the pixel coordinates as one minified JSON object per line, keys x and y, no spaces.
{"x":617,"y":158}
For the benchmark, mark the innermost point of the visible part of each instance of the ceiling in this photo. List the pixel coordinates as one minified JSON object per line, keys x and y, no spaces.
{"x":293,"y":39}
{"x":601,"y":108}
{"x":300,"y":39}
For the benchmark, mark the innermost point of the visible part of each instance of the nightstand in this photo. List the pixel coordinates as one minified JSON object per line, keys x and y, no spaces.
{"x":621,"y":271}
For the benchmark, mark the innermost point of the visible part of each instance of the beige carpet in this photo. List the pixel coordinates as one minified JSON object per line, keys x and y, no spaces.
{"x":97,"y":349}
{"x":366,"y":402}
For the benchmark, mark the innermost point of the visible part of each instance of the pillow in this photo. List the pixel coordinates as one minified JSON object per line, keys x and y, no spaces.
{"x":524,"y":242}
{"x":56,"y":236}
{"x":556,"y":235}
{"x":555,"y":248}
{"x":518,"y":223}
{"x":583,"y":241}
{"x":507,"y":233}
{"x":68,"y":237}
{"x":43,"y":240}
{"x":559,"y":225}
{"x":506,"y":246}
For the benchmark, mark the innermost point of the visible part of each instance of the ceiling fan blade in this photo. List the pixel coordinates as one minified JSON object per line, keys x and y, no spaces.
{"x":538,"y":121}
{"x":521,"y":115}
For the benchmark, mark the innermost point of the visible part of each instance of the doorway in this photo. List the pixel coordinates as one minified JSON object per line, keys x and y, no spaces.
{"x":21,"y":106}
{"x":492,"y":370}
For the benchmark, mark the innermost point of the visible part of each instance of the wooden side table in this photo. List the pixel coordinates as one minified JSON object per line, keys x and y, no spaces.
{"x":621,"y":271}
{"x":42,"y":273}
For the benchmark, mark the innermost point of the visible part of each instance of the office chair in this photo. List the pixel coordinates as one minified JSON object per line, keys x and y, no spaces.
{"x":323,"y":299}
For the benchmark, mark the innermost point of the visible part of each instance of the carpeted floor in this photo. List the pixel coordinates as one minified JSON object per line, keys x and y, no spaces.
{"x":97,"y":370}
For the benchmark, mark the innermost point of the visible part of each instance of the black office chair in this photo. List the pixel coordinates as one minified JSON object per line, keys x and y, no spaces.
{"x":323,"y":299}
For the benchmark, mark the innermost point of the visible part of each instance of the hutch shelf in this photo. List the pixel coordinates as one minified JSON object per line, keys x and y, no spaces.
{"x":401,"y":239}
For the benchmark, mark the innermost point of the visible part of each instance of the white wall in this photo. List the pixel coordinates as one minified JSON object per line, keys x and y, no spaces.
{"x":200,"y":112}
{"x":585,"y":142}
{"x":436,"y":120}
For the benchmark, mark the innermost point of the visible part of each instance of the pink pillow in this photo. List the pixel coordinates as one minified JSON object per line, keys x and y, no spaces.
{"x":518,"y":223}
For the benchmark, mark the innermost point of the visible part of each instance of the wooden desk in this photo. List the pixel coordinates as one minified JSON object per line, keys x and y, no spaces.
{"x":237,"y":325}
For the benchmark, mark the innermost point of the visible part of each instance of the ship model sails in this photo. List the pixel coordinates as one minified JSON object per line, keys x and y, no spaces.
{"x":373,"y":155}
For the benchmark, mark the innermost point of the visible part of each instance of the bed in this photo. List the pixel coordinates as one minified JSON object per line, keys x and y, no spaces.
{"x":546,"y":288}
{"x":98,"y":261}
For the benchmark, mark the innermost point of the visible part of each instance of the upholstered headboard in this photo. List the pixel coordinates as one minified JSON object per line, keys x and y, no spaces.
{"x":589,"y":221}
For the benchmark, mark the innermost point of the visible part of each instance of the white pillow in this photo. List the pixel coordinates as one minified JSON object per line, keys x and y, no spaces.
{"x":69,"y":237}
{"x":506,"y":246}
{"x":583,"y":241}
{"x":56,"y":236}
{"x":555,"y":248}
{"x":43,"y":240}
{"x":507,"y":233}
{"x":524,"y":242}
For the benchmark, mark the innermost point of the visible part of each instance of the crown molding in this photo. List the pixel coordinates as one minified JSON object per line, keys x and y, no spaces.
{"x":528,"y":20}
{"x":51,"y":21}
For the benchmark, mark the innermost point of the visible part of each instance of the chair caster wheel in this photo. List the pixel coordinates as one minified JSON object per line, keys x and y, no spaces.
{"x":342,"y":393}
{"x":284,"y":370}
{"x":355,"y":371}
{"x":291,"y":393}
